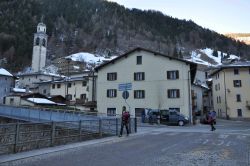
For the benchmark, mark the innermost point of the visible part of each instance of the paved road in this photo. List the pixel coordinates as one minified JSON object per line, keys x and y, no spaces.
{"x":227,"y":146}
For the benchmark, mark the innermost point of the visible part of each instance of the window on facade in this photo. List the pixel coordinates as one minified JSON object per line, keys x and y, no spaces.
{"x":174,"y":109}
{"x":111,"y":76}
{"x":173,"y":93}
{"x":139,"y":94}
{"x":219,"y":99}
{"x":83,"y":96}
{"x":111,"y":93}
{"x":37,"y":41}
{"x":58,"y":86}
{"x":53,"y":86}
{"x":139,"y":60}
{"x":239,"y":112}
{"x":237,"y":83}
{"x":69,"y":97}
{"x":111,"y":111}
{"x":11,"y":101}
{"x":139,"y":112}
{"x":236,"y":71}
{"x":84,"y":83}
{"x":218,"y":86}
{"x":215,"y":87}
{"x":139,"y":76}
{"x":69,"y":85}
{"x":44,"y":42}
{"x":238,"y":98}
{"x":44,"y":91}
{"x":173,"y":75}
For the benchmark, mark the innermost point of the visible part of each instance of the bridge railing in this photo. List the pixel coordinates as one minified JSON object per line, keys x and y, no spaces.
{"x":18,"y":137}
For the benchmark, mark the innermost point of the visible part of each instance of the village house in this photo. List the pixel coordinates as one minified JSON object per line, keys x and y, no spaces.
{"x":28,"y":80}
{"x":31,"y":100}
{"x":78,"y":89}
{"x":7,"y":82}
{"x":201,"y":93}
{"x":231,"y":84}
{"x":152,"y":80}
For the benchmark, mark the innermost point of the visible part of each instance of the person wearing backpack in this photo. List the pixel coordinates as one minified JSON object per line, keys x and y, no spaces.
{"x":125,"y":121}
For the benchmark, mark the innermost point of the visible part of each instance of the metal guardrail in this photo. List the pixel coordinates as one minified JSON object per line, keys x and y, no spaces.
{"x":18,"y":137}
{"x":37,"y":115}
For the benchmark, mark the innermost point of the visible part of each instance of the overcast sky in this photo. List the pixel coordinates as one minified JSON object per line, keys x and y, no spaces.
{"x":222,"y":16}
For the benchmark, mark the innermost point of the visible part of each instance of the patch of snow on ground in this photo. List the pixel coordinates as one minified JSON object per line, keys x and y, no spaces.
{"x":209,"y":53}
{"x":86,"y":57}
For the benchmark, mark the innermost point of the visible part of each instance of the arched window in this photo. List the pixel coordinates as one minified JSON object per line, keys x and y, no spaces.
{"x":44,"y":42}
{"x":37,"y":41}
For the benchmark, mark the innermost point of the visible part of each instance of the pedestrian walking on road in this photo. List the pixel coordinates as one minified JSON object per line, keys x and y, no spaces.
{"x":125,"y":121}
{"x":212,"y":119}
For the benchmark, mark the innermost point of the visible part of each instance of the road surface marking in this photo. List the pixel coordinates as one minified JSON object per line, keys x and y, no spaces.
{"x":223,"y":136}
{"x":169,"y":147}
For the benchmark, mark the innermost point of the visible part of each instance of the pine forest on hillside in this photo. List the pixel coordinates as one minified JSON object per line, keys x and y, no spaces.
{"x":102,"y":27}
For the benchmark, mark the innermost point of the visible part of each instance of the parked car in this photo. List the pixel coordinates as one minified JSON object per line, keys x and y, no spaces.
{"x":166,"y":117}
{"x":173,"y":117}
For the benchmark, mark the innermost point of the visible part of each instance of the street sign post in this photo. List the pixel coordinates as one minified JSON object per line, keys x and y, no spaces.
{"x":125,"y":86}
{"x":125,"y":94}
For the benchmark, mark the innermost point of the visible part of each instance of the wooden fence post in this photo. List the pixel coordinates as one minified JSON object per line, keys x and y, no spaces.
{"x":16,"y":137}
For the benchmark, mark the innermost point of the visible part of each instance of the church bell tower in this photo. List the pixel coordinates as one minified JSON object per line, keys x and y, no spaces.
{"x":39,"y":48}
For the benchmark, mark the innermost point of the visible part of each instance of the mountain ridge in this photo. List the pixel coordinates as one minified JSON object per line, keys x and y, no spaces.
{"x":102,"y":27}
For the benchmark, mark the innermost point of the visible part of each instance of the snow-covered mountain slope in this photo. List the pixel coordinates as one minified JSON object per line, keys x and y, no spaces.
{"x":89,"y":58}
{"x":209,"y":57}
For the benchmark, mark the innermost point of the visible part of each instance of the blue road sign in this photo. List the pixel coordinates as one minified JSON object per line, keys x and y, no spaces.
{"x":125,"y":94}
{"x":125,"y":87}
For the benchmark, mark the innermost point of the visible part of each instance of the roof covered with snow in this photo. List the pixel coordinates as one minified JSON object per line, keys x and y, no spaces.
{"x":41,"y":101}
{"x":238,"y":64}
{"x":5,"y":72}
{"x":19,"y":90}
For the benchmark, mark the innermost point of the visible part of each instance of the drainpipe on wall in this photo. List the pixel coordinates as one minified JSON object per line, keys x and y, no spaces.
{"x":225,"y":90}
{"x":189,"y":100}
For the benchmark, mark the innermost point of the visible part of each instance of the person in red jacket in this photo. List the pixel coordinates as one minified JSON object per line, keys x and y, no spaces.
{"x":125,"y":121}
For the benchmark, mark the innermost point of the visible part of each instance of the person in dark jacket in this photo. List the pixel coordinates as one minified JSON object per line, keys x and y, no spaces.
{"x":125,"y":121}
{"x":212,"y":119}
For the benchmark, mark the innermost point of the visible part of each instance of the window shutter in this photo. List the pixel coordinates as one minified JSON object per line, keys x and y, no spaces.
{"x":107,"y":93}
{"x":115,"y":76}
{"x":168,"y":93}
{"x":134,"y":94}
{"x":115,"y":92}
{"x":135,"y":76}
{"x":143,"y":94}
{"x":107,"y":76}
{"x":143,"y":76}
{"x":178,"y":93}
{"x":177,"y":74}
{"x":168,"y":75}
